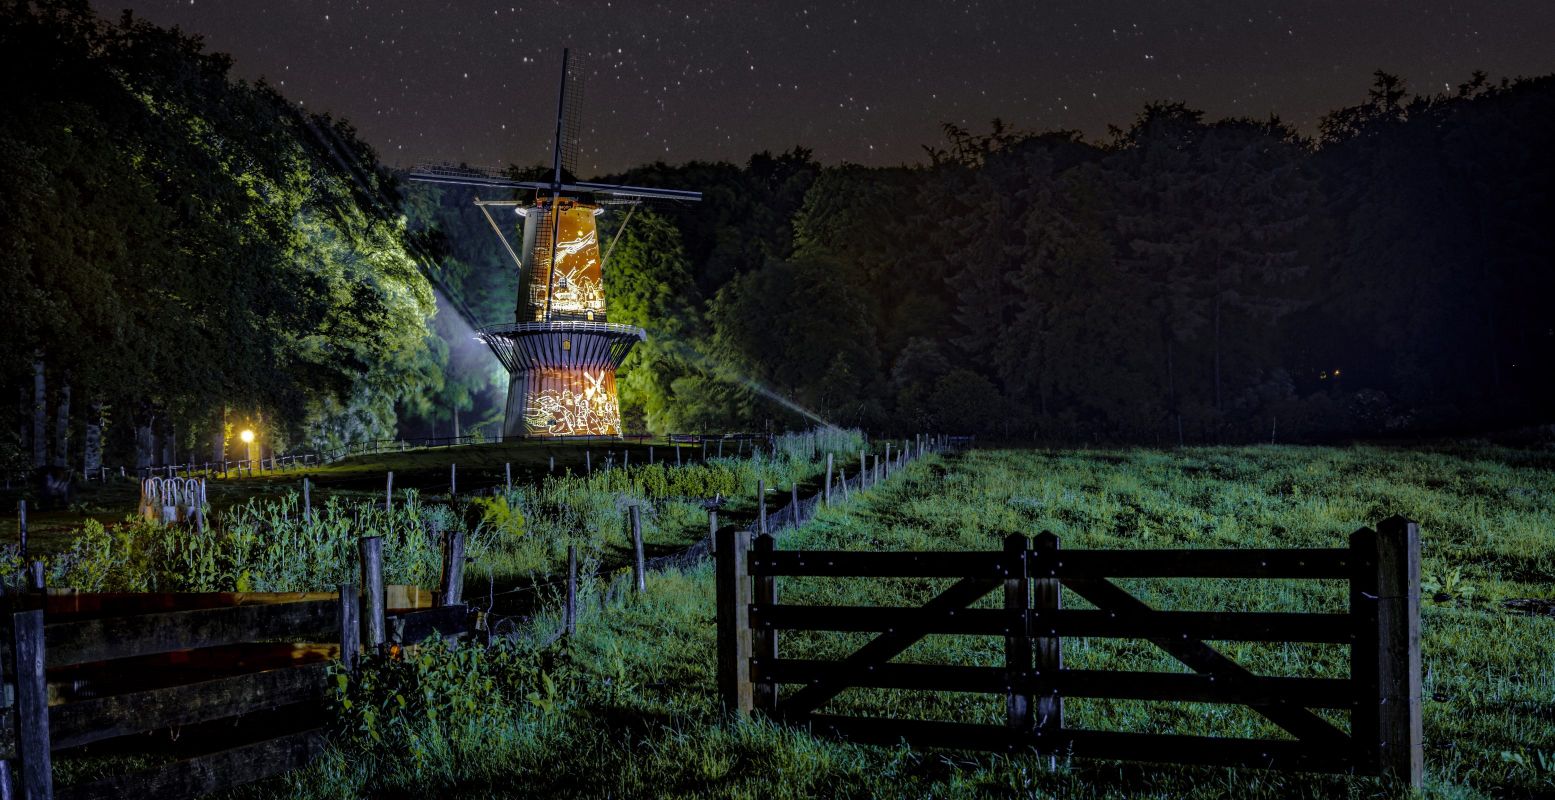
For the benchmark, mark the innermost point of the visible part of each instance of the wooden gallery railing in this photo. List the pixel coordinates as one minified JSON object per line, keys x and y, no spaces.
{"x":92,"y":668}
{"x":1381,"y":629}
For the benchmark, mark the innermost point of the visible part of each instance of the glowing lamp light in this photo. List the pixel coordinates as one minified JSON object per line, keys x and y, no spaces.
{"x":247,"y":436}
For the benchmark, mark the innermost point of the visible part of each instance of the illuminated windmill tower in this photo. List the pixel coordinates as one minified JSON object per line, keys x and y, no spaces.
{"x":560,"y":351}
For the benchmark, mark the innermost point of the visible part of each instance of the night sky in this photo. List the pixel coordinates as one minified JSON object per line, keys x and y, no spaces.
{"x":864,"y":82}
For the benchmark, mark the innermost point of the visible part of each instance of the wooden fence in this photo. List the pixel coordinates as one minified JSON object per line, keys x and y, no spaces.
{"x":90,"y":668}
{"x":1381,"y":629}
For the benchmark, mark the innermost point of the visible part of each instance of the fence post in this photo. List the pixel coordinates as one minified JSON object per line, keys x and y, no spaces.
{"x":350,"y":626}
{"x":712,"y":531}
{"x":507,"y":471}
{"x":372,"y":583}
{"x":1017,"y":638}
{"x":734,"y":633}
{"x":21,"y":528}
{"x":453,"y":568}
{"x":307,"y":502}
{"x":1049,"y":711}
{"x":32,"y":706}
{"x":863,"y":469}
{"x":764,"y":643}
{"x":826,"y":491}
{"x":453,"y":479}
{"x":842,"y":478}
{"x":640,"y":576}
{"x":1400,"y":740}
{"x":761,"y":504}
{"x":650,"y":455}
{"x":388,"y":493}
{"x":793,"y":502}
{"x":570,"y":613}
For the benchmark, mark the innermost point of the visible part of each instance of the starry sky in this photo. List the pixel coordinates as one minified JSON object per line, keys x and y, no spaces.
{"x":862,"y":82}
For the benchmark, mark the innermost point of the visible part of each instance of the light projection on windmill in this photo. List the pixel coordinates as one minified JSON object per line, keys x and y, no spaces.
{"x":560,"y":351}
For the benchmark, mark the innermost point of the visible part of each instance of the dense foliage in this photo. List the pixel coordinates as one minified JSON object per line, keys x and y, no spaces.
{"x":183,"y":253}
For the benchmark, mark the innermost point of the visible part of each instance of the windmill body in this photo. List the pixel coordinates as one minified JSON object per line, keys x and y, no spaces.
{"x":561,"y":352}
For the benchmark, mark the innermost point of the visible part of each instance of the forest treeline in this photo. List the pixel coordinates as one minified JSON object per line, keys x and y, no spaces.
{"x":183,"y":254}
{"x":1186,"y":280}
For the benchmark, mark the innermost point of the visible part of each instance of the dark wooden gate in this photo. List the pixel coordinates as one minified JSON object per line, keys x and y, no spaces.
{"x":1381,"y":628}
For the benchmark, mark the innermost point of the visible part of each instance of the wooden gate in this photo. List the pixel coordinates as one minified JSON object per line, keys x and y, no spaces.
{"x":1381,"y":629}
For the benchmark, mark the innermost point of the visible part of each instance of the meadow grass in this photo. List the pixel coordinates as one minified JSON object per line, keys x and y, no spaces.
{"x":626,"y":707}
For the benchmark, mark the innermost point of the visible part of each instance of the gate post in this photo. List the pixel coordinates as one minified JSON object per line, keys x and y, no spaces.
{"x":733,"y":590}
{"x":764,"y":643}
{"x":1400,"y":741}
{"x":1049,"y":649}
{"x":1017,"y":637}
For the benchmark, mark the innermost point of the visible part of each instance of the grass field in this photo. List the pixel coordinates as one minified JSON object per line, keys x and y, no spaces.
{"x":626,"y":708}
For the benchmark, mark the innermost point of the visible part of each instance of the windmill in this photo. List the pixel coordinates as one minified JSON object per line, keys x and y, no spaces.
{"x":561,"y":352}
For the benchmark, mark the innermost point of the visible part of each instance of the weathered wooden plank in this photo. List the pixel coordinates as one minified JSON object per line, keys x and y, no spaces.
{"x":1331,"y":563}
{"x":1048,"y":650}
{"x":733,"y":593}
{"x":764,"y":644}
{"x":1115,"y":684}
{"x":847,"y":563}
{"x":1400,"y":743}
{"x":86,"y":721}
{"x":146,"y":634}
{"x":1292,"y":564}
{"x":63,"y":605}
{"x":200,"y":776}
{"x":1018,"y":657}
{"x":1150,"y":624}
{"x":413,"y":627}
{"x":34,"y":768}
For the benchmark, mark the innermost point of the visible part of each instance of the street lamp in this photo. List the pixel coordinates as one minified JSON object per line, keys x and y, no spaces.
{"x":248,"y":438}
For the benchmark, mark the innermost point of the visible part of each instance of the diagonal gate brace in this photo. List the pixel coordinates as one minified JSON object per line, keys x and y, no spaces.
{"x":1299,"y":721}
{"x":884,"y":647}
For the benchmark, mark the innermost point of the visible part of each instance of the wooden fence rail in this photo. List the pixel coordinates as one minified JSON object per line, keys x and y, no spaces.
{"x":162,"y":661}
{"x":1381,"y":630}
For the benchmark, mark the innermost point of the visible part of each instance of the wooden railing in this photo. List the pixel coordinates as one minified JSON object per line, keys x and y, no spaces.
{"x":1381,"y":629}
{"x":163,"y":661}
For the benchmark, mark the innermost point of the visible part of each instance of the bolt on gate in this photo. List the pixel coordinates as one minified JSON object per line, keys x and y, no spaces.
{"x":1381,"y":629}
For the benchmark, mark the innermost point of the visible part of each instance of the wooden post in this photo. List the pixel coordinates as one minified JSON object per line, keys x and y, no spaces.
{"x":720,"y":448}
{"x":1400,"y":739}
{"x":307,"y":503}
{"x":588,"y":460}
{"x":552,"y":470}
{"x":734,"y":633}
{"x":372,"y":582}
{"x":765,"y":643}
{"x":640,"y":573}
{"x":453,"y":568}
{"x":826,"y":490}
{"x":453,"y":479}
{"x":35,"y":769}
{"x":1017,"y":639}
{"x":35,"y":576}
{"x":876,"y":478}
{"x":677,"y":455}
{"x":1049,"y":712}
{"x":793,"y":502}
{"x":863,"y":469}
{"x":21,"y":528}
{"x":842,"y":478}
{"x":507,"y":471}
{"x":350,"y":626}
{"x":712,"y":531}
{"x":650,"y":455}
{"x":761,"y":504}
{"x":388,"y":493}
{"x":887,"y":455}
{"x":570,"y":613}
